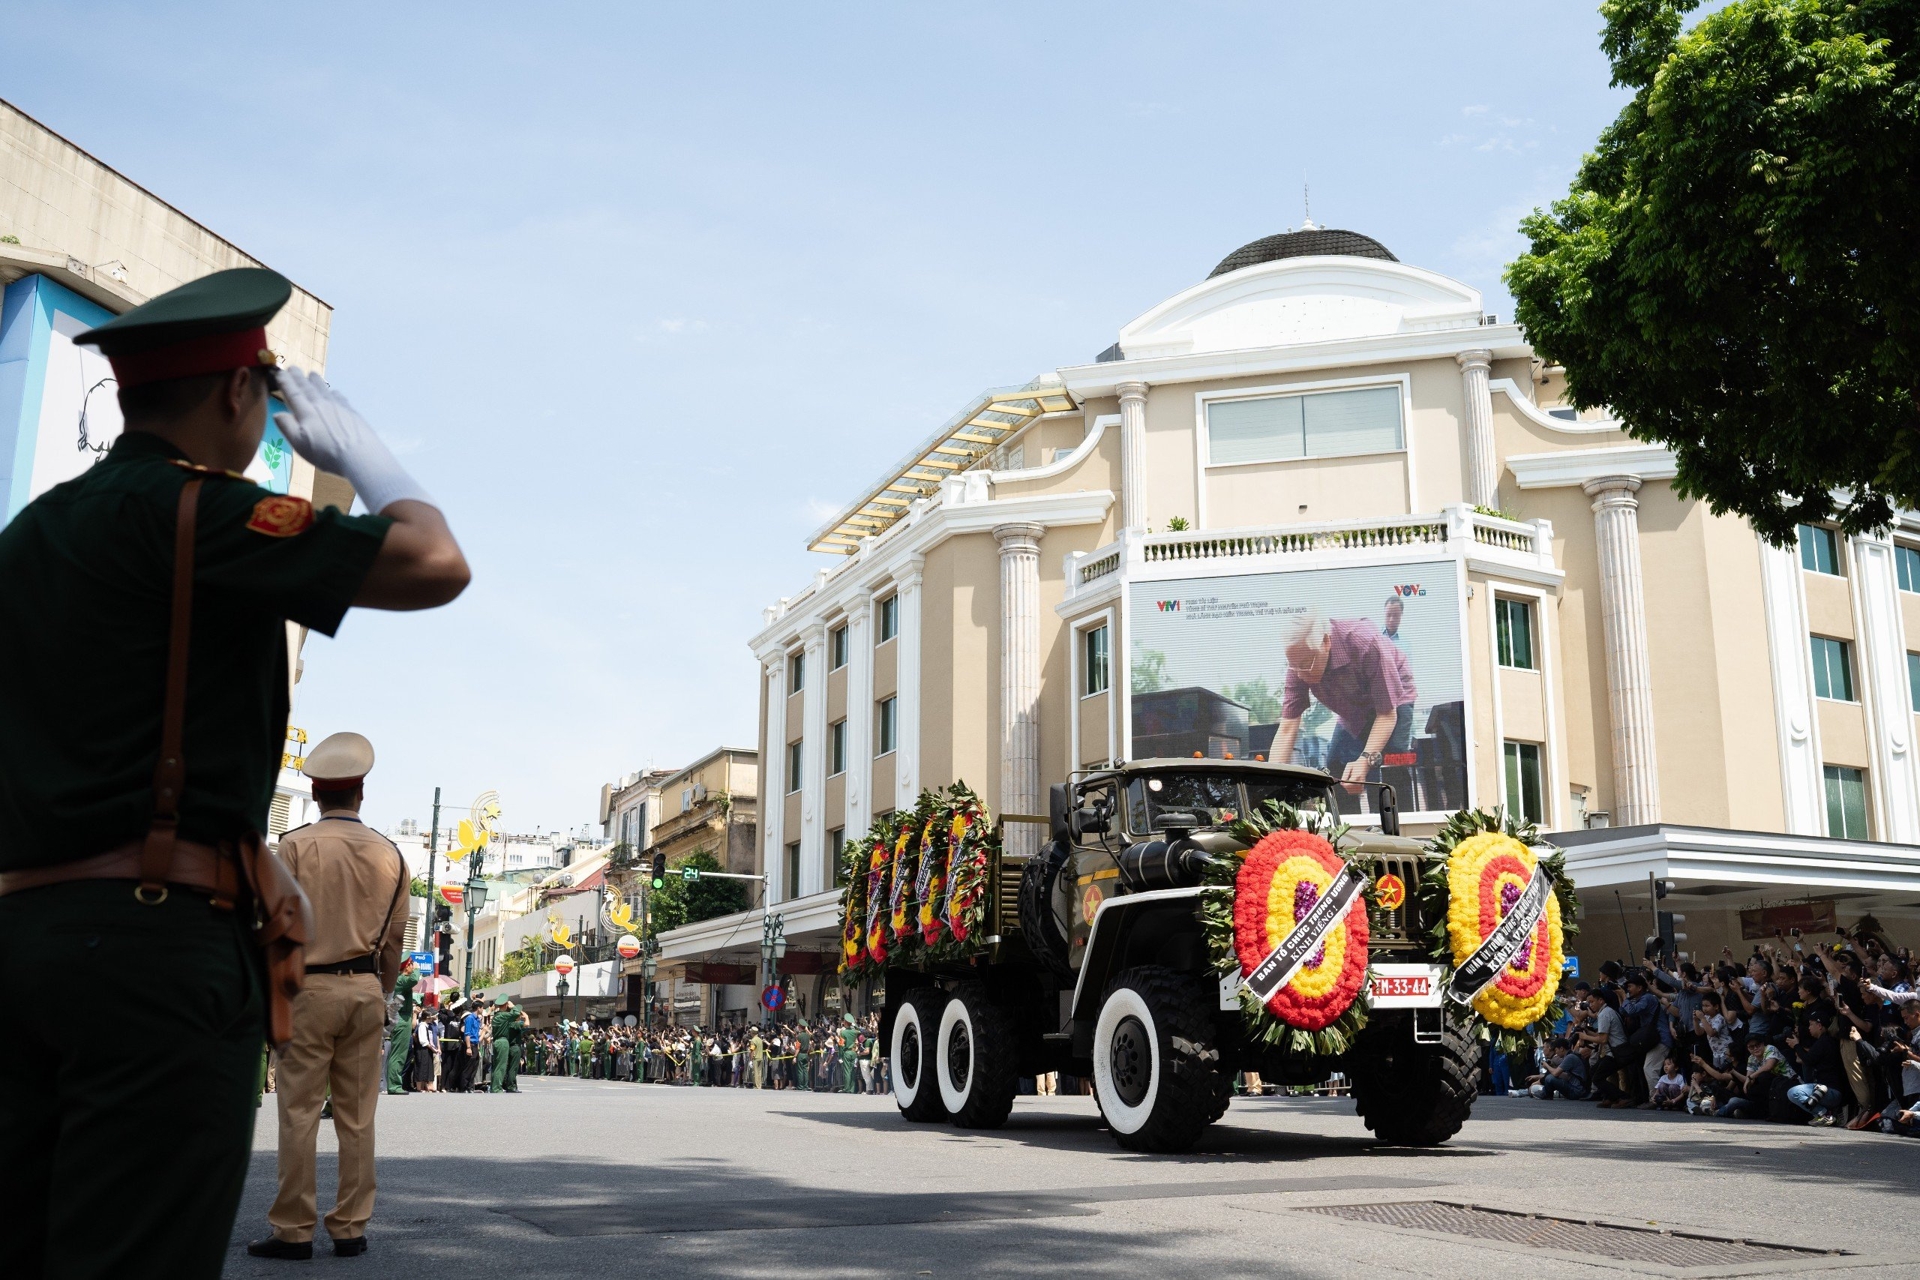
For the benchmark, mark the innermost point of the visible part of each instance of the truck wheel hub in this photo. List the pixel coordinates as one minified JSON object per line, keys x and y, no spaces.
{"x":910,"y":1055}
{"x":1132,"y":1061}
{"x":959,"y":1057}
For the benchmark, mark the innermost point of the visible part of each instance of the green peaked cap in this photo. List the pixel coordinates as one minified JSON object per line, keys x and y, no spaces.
{"x":232,"y":301}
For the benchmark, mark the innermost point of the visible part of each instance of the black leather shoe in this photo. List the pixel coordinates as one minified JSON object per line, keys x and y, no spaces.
{"x":275,"y":1247}
{"x":351,"y":1247}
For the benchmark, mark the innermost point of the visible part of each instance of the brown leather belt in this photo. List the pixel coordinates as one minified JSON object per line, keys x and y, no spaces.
{"x":201,"y":867}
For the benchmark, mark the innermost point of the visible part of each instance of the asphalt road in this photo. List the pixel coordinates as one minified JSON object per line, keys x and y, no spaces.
{"x":575,"y":1178}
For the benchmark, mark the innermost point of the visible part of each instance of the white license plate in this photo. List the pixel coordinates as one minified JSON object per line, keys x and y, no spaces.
{"x":1406,"y":986}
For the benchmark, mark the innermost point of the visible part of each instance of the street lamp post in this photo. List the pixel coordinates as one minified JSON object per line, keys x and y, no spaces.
{"x":476,"y":899}
{"x":773,"y":945}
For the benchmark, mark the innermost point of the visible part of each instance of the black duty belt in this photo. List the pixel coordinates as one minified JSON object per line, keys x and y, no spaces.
{"x":368,"y":963}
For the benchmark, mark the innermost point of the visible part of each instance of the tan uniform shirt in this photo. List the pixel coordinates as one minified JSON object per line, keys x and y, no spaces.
{"x":357,"y":883}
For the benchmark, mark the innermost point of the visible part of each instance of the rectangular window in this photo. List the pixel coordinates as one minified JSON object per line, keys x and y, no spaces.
{"x":1846,"y":802}
{"x":1523,"y":781}
{"x":837,"y":647}
{"x":1906,"y":563}
{"x":837,"y":746}
{"x":793,"y":767}
{"x":836,"y":848}
{"x":1098,"y":674}
{"x":1832,"y":669}
{"x":1515,"y":621}
{"x":792,"y":877}
{"x":889,"y":724}
{"x":1819,"y":552}
{"x":1913,"y":681}
{"x":889,"y":624}
{"x":1327,"y":424}
{"x":796,"y":672}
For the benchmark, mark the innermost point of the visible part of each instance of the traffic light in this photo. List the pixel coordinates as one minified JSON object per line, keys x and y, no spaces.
{"x":442,"y":914}
{"x":659,"y":876}
{"x":1671,"y":935}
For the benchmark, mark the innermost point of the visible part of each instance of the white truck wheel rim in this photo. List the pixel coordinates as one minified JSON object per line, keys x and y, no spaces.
{"x":907,"y":1091}
{"x":956,"y":1015}
{"x":1121,"y":1118}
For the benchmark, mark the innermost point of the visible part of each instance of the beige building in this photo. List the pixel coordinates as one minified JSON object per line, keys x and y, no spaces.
{"x":80,"y":243}
{"x":1320,"y":445}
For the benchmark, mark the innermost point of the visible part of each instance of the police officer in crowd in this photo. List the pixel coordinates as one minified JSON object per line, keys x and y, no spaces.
{"x":146,"y":603}
{"x":357,"y":883}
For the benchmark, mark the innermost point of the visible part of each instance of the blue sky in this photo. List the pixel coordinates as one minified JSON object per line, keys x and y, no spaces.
{"x":644,"y":293}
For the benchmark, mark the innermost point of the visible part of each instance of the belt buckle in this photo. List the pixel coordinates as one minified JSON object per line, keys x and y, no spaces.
{"x":140,"y":892}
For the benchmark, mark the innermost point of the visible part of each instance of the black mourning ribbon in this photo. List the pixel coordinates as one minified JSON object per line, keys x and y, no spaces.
{"x":1277,"y":970}
{"x":1504,"y":943}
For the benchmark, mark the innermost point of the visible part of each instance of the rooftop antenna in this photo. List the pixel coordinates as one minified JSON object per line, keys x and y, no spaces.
{"x":1306,"y":204}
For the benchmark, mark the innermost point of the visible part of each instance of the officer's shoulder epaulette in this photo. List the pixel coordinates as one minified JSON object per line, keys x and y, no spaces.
{"x":292,"y":831}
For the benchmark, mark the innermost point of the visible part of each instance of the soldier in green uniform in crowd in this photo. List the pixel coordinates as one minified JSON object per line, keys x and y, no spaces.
{"x":121,"y":863}
{"x":516,"y":1047}
{"x":803,"y":1058}
{"x":401,"y":1043}
{"x":849,"y":1058}
{"x":506,"y":1027}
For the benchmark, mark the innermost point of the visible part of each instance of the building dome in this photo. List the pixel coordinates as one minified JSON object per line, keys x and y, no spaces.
{"x":1310,"y":242}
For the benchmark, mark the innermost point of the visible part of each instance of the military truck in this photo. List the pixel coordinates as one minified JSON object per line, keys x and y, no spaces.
{"x":1096,"y":965}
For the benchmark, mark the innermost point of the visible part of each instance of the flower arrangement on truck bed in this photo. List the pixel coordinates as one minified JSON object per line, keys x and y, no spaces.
{"x":917,"y":884}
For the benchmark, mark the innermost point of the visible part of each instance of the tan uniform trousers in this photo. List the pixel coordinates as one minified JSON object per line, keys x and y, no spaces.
{"x":337,"y":1022}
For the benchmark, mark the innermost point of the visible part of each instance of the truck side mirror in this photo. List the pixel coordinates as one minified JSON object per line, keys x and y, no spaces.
{"x":1389,"y":811}
{"x":1059,"y":813}
{"x":1090,"y":822}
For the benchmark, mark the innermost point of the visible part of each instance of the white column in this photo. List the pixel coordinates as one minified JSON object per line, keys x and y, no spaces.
{"x":906,"y":755}
{"x":1623,"y":621}
{"x":813,"y":761}
{"x":1885,"y":696}
{"x":859,"y":717}
{"x":1483,"y":467}
{"x":773,"y":802}
{"x":1020,"y":679}
{"x":1133,"y":463}
{"x":1797,"y":725}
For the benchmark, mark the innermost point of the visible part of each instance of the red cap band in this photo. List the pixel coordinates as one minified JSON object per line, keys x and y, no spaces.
{"x":216,"y":353}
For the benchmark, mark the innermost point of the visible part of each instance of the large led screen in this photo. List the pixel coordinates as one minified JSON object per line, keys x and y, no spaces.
{"x":1353,"y":670}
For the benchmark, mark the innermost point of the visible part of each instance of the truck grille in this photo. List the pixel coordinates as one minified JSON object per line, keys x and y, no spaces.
{"x":1399,"y":925}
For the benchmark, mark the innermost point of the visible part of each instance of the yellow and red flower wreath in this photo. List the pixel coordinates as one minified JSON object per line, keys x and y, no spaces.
{"x":1281,"y":878}
{"x":1486,"y":874}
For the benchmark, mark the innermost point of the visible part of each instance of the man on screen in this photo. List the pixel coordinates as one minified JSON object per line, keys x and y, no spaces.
{"x":1356,"y":673}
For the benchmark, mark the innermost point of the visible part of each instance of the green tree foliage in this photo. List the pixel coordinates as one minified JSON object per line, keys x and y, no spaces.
{"x":522,"y":960}
{"x":417,"y":888}
{"x":1261,"y":702}
{"x":1150,"y":672}
{"x":1736,"y":270}
{"x":680,"y":902}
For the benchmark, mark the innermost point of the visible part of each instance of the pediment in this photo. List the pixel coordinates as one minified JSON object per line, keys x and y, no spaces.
{"x":1301,"y":300}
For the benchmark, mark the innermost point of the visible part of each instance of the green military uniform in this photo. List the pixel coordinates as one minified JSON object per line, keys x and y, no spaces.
{"x":103,"y":1170}
{"x":506,"y":1022}
{"x":803,"y":1060}
{"x":516,"y":1034}
{"x":849,"y":1060}
{"x":402,"y":1042}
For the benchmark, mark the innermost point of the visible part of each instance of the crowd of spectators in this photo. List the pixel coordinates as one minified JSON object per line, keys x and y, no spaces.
{"x":1801,"y":1033}
{"x":826,"y":1055}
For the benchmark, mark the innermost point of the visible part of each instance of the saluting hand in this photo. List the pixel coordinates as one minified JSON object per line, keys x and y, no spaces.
{"x":330,"y":433}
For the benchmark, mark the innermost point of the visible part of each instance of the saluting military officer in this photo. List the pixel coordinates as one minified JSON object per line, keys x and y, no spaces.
{"x":128,"y":869}
{"x":357,"y":882}
{"x":400,"y":1035}
{"x":506,"y":1049}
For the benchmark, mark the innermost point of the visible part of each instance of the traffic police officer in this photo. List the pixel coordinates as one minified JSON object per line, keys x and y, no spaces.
{"x":357,"y":882}
{"x":126,"y":869}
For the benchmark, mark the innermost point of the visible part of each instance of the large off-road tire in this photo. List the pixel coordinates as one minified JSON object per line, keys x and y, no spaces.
{"x":973,"y":1063}
{"x":1414,"y":1095}
{"x":915,"y":1090}
{"x":1222,"y":1096}
{"x":1156,"y":1090}
{"x":1042,"y":919}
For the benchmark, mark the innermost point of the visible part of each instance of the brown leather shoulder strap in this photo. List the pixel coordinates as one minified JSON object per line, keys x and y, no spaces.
{"x":170,"y":774}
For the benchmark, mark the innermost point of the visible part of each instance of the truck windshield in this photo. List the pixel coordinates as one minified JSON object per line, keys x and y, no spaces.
{"x":1210,"y":799}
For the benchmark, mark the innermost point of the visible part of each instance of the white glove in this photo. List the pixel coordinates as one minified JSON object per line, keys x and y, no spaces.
{"x":330,"y":433}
